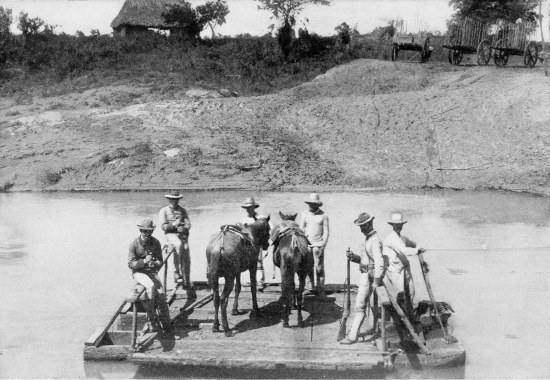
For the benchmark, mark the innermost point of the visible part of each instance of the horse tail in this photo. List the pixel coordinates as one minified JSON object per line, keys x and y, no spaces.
{"x":214,"y":262}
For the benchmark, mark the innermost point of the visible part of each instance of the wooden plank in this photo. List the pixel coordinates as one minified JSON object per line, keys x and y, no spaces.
{"x":94,"y":337}
{"x":106,"y":353}
{"x":111,"y":321}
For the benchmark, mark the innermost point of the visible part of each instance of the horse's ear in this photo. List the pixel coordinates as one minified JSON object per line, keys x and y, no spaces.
{"x":268,"y":217}
{"x":282,"y":215}
{"x":294,"y":216}
{"x":245,"y":225}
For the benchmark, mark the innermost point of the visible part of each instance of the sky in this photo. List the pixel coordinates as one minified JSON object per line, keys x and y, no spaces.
{"x":244,"y":17}
{"x":71,"y":16}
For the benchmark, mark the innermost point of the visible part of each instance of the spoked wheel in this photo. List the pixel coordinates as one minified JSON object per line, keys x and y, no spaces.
{"x":501,"y":55}
{"x":394,"y":53}
{"x":455,"y":57}
{"x":531,"y":55}
{"x":484,"y":53}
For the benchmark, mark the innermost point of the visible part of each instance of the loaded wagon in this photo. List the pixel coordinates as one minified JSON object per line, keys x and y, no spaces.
{"x":469,"y":36}
{"x":418,"y":42}
{"x":515,"y":39}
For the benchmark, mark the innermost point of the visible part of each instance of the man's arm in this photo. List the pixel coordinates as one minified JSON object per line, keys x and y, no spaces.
{"x":134,"y":262}
{"x":303,"y":222}
{"x":165,"y":224}
{"x":186,"y":221}
{"x":399,"y":246}
{"x":325,"y":230}
{"x":378,"y":259}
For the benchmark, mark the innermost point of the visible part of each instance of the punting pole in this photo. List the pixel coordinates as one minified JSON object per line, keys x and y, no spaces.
{"x":407,"y":323}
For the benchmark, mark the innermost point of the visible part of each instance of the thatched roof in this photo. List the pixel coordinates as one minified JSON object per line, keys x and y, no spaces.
{"x":147,"y":13}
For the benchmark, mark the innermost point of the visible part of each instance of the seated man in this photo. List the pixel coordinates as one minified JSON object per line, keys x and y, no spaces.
{"x":145,"y":259}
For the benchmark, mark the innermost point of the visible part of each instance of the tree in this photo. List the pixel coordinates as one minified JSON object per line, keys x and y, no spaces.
{"x":185,"y":19}
{"x":28,"y":25}
{"x":213,"y":13}
{"x":5,"y":34}
{"x":490,"y":10}
{"x":286,"y":11}
{"x":344,"y":33}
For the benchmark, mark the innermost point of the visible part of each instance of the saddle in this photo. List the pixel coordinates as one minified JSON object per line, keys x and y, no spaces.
{"x":288,"y":230}
{"x":239,"y":231}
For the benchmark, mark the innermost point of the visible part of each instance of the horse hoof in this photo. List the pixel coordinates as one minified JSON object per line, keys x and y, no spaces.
{"x":228,"y":333}
{"x":301,"y":324}
{"x":286,"y":325}
{"x":235,"y":312}
{"x":216,"y":329}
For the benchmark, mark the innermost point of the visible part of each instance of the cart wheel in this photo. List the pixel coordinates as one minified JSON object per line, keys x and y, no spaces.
{"x":531,"y":55}
{"x":455,"y":57}
{"x":483,"y":53}
{"x":394,"y":53}
{"x":501,"y":56}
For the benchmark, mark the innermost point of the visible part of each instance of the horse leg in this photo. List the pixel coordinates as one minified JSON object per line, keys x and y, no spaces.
{"x":302,"y":284}
{"x":287,"y":287}
{"x":235,"y":310}
{"x":216,"y":294}
{"x":253,"y":287}
{"x":228,"y":287}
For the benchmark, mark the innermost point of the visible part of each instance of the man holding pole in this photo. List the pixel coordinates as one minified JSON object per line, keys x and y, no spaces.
{"x":145,"y":259}
{"x":371,"y":265}
{"x":397,"y":247}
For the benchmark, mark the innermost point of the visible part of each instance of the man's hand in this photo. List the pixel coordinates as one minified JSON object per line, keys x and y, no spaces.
{"x":180,"y":229}
{"x":377,"y":281}
{"x":349,"y":254}
{"x":421,"y":250}
{"x":148,"y":259}
{"x":176,"y":223}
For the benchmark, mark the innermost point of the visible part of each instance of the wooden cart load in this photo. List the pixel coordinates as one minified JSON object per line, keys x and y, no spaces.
{"x":469,"y":36}
{"x":418,"y":41}
{"x":515,"y":39}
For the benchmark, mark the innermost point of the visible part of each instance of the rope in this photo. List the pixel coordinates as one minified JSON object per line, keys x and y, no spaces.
{"x":487,"y":249}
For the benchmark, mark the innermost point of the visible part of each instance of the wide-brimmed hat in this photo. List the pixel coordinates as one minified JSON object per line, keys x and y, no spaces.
{"x":363,"y":218}
{"x":250,"y":202}
{"x":396,"y":218}
{"x":147,"y":224}
{"x":314,"y":198}
{"x":173,"y":195}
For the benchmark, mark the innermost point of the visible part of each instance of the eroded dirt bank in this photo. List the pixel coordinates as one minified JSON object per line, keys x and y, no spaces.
{"x":367,"y":124}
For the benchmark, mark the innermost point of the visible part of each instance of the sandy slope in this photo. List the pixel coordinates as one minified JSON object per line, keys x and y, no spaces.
{"x":365,"y":124}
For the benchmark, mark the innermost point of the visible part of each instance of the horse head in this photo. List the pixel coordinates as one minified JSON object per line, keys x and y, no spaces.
{"x":287,"y":216}
{"x":259,"y":230}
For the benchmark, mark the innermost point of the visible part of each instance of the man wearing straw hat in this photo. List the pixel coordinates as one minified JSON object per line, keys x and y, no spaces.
{"x":397,"y":247}
{"x":314,"y":223}
{"x":145,"y":259}
{"x":175,"y":223}
{"x":250,"y":206}
{"x":371,"y":265}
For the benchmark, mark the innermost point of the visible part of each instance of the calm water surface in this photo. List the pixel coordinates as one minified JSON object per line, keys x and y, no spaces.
{"x":63,"y":268}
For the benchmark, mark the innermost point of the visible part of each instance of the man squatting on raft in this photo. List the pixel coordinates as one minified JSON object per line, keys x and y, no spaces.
{"x":145,"y":259}
{"x":371,"y":265}
{"x":175,"y":223}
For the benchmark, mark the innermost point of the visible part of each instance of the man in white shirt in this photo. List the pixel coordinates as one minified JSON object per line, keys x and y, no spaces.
{"x":314,"y":223}
{"x":371,"y":265}
{"x":397,"y":247}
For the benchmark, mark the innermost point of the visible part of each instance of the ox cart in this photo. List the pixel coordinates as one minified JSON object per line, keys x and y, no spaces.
{"x":515,"y":39}
{"x":418,"y":42}
{"x":469,"y":36}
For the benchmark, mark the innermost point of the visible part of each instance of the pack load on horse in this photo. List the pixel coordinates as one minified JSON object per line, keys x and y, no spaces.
{"x":231,"y":251}
{"x":291,"y":255}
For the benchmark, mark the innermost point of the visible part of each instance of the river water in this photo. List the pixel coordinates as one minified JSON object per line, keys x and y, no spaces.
{"x":63,"y":268}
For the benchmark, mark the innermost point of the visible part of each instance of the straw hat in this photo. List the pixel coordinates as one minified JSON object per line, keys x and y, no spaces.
{"x":173,"y":195}
{"x":363,"y":218}
{"x":147,"y":224}
{"x":250,"y":202}
{"x":396,"y":218}
{"x":314,"y":198}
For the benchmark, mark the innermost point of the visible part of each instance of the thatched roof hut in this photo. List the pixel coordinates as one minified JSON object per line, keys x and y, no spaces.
{"x":139,"y":15}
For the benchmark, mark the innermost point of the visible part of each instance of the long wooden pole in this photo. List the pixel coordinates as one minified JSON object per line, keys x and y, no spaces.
{"x":430,"y":293}
{"x":347,"y":304}
{"x":406,"y":321}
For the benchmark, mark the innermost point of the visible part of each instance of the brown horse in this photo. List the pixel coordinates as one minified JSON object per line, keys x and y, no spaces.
{"x":234,"y":250}
{"x":291,"y":255}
